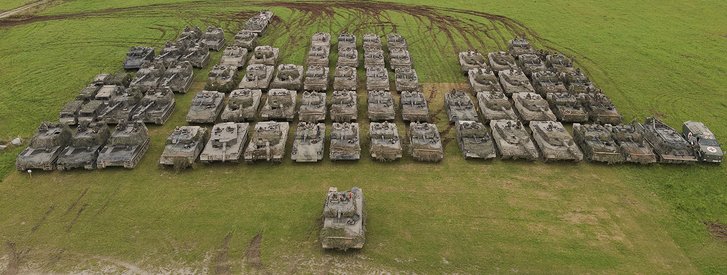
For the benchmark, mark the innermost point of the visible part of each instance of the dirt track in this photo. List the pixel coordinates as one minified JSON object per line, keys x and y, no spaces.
{"x":22,"y":9}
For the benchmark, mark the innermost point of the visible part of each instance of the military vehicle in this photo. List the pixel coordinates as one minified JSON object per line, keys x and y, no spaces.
{"x":226,"y":143}
{"x":348,"y":57}
{"x":258,"y":23}
{"x":149,"y":76}
{"x":321,"y":39}
{"x":554,"y":141}
{"x":346,"y":40}
{"x":318,"y":55}
{"x":316,"y":79}
{"x":127,"y":144}
{"x":374,"y":58}
{"x":495,"y":105}
{"x":381,"y":106}
{"x":69,"y":112}
{"x":513,"y":140}
{"x":265,"y":55}
{"x":246,"y":39}
{"x":344,"y":220}
{"x":371,"y":41}
{"x":425,"y":144}
{"x":530,"y":63}
{"x":84,"y":146}
{"x":280,"y":105}
{"x":90,"y":110}
{"x":559,"y":62}
{"x":234,"y":56}
{"x":501,"y":61}
{"x":414,"y":106}
{"x":119,"y":79}
{"x":577,"y":82}
{"x":120,"y":107}
{"x":178,"y":77}
{"x":109,"y":92}
{"x":345,"y":79}
{"x":172,"y":51}
{"x":289,"y":76}
{"x":475,"y":140}
{"x":222,"y":78}
{"x":630,"y":138}
{"x":515,"y":81}
{"x":600,"y":109}
{"x":703,"y":142}
{"x":484,"y":80}
{"x":385,"y":141}
{"x":400,"y":58}
{"x":546,"y":82}
{"x":242,"y":105}
{"x":344,"y":107}
{"x":396,"y":41}
{"x":308,"y":142}
{"x":459,"y":106}
{"x":406,"y":80}
{"x":137,"y":56}
{"x":183,"y":146}
{"x":532,"y":107}
{"x":597,"y":144}
{"x":89,"y":92}
{"x":520,"y":45}
{"x":345,"y":144}
{"x":566,"y":107}
{"x":471,"y":60}
{"x":669,"y":145}
{"x":197,"y":55}
{"x":206,"y":107}
{"x":377,"y":78}
{"x":268,"y":142}
{"x":192,"y":34}
{"x":312,"y":107}
{"x":257,"y":76}
{"x":213,"y":38}
{"x":45,"y":147}
{"x":155,"y":107}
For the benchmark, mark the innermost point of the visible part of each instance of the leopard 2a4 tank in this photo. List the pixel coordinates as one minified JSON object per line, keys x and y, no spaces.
{"x":630,"y":138}
{"x":289,"y":76}
{"x":484,"y":80}
{"x":316,"y":79}
{"x":513,"y":140}
{"x":234,"y":56}
{"x":344,"y":107}
{"x":178,"y":77}
{"x":475,"y":140}
{"x":597,"y":143}
{"x":495,"y":105}
{"x":267,"y":142}
{"x":222,"y":78}
{"x":312,"y":107}
{"x":532,"y":107}
{"x":425,"y":143}
{"x":385,"y":141}
{"x":469,"y":60}
{"x":206,"y":107}
{"x":226,"y":143}
{"x":381,"y":106}
{"x":344,"y":220}
{"x":257,"y":76}
{"x":242,"y":105}
{"x":345,"y":142}
{"x":668,"y":144}
{"x":554,"y":141}
{"x":183,"y":146}
{"x":308,"y":142}
{"x":280,"y":105}
{"x":414,"y":106}
{"x":566,"y":107}
{"x":459,"y":106}
{"x":155,"y":107}
{"x":345,"y":79}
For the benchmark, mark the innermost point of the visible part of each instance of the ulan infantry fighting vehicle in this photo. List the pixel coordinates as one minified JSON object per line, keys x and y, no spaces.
{"x":178,"y":77}
{"x":501,"y":61}
{"x":268,"y":142}
{"x":344,"y":107}
{"x":206,"y":106}
{"x":668,"y":144}
{"x":547,"y":82}
{"x":280,"y":105}
{"x":597,"y":144}
{"x":459,"y":107}
{"x":495,"y":105}
{"x":127,"y":144}
{"x":83,"y":149}
{"x":258,"y":76}
{"x":374,"y":58}
{"x":703,"y":142}
{"x":515,"y":81}
{"x":345,"y":144}
{"x":347,"y":57}
{"x":183,"y":146}
{"x":308,"y":142}
{"x":381,"y":106}
{"x":344,"y":220}
{"x":554,"y":141}
{"x":600,"y":109}
{"x":316,"y":79}
{"x":532,"y":107}
{"x":400,"y":58}
{"x":396,"y":41}
{"x":321,"y":39}
{"x":69,"y":112}
{"x":290,"y":76}
{"x":192,"y":34}
{"x":155,"y":107}
{"x":530,"y":63}
{"x":226,"y":143}
{"x":197,"y":55}
{"x":385,"y":141}
{"x":265,"y":55}
{"x":172,"y":51}
{"x":406,"y":80}
{"x":242,"y":104}
{"x":371,"y":41}
{"x":345,"y":41}
{"x":120,"y":107}
{"x":471,"y":60}
{"x":475,"y":140}
{"x":345,"y":79}
{"x":213,"y":38}
{"x":484,"y":80}
{"x":44,"y":148}
{"x":566,"y":107}
{"x":149,"y":76}
{"x":246,"y":39}
{"x":222,"y":78}
{"x":234,"y":56}
{"x":377,"y":78}
{"x":518,"y":46}
{"x":513,"y":140}
{"x":318,"y":55}
{"x":414,"y":107}
{"x":577,"y":82}
{"x":630,"y":138}
{"x":312,"y":107}
{"x":559,"y":62}
{"x":137,"y":56}
{"x":425,"y":144}
{"x":258,"y":23}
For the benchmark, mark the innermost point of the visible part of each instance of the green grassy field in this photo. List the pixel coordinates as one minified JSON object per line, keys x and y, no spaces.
{"x":650,"y":57}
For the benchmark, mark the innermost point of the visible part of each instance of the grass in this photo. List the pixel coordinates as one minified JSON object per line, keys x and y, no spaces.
{"x":11,"y":4}
{"x":457,"y":216}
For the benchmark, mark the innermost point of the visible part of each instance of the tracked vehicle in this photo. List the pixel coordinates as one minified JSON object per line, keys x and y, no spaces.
{"x":316,"y":79}
{"x":425,"y":143}
{"x":345,"y":143}
{"x":172,"y":51}
{"x":213,"y":38}
{"x":178,"y":77}
{"x":268,"y":142}
{"x":345,"y":41}
{"x":374,"y":58}
{"x":280,"y":105}
{"x":90,"y":110}
{"x":69,"y":112}
{"x":377,"y":78}
{"x":290,"y":76}
{"x":484,"y":80}
{"x":381,"y":106}
{"x":222,"y":79}
{"x":318,"y":56}
{"x":495,"y":105}
{"x":120,"y":107}
{"x":265,"y":55}
{"x":520,"y":45}
{"x":515,"y":81}
{"x":242,"y":105}
{"x":513,"y":140}
{"x":347,"y":57}
{"x":459,"y":106}
{"x":345,"y":79}
{"x":82,"y":151}
{"x":149,"y":76}
{"x":312,"y":107}
{"x":183,"y":146}
{"x":501,"y":61}
{"x":471,"y":60}
{"x":321,"y":39}
{"x":414,"y":107}
{"x":234,"y":56}
{"x":547,"y":82}
{"x":308,"y":142}
{"x":475,"y":140}
{"x":206,"y":107}
{"x":191,"y":33}
{"x":45,"y":147}
{"x":668,"y":144}
{"x":137,"y":56}
{"x":600,"y":109}
{"x":344,"y":107}
{"x":371,"y":41}
{"x":532,"y":107}
{"x":119,"y":79}
{"x":559,"y":63}
{"x":567,"y":108}
{"x":597,"y":144}
{"x":197,"y":55}
{"x":385,"y":141}
{"x":554,"y":141}
{"x":226,"y":143}
{"x":400,"y":58}
{"x":530,"y":64}
{"x":127,"y":144}
{"x":396,"y":41}
{"x":258,"y":23}
{"x":630,"y":139}
{"x":344,"y":220}
{"x":703,"y":142}
{"x":577,"y":82}
{"x":258,"y":76}
{"x":406,"y":80}
{"x":155,"y":107}
{"x":246,"y":39}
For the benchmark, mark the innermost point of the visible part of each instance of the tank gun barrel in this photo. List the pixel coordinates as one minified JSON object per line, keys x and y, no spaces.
{"x":111,"y":109}
{"x":136,"y":81}
{"x":141,"y":110}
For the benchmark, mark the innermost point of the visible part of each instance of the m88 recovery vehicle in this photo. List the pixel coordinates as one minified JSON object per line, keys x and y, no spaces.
{"x":471,"y":60}
{"x":425,"y":144}
{"x":45,"y":147}
{"x":318,"y":55}
{"x":83,"y":149}
{"x":459,"y":106}
{"x":344,"y":107}
{"x":520,"y":45}
{"x":234,"y":56}
{"x":268,"y":142}
{"x":513,"y":140}
{"x":178,"y":77}
{"x":475,"y":140}
{"x":345,"y":79}
{"x":515,"y":81}
{"x":385,"y":141}
{"x":246,"y":39}
{"x":530,"y":64}
{"x":213,"y":38}
{"x":547,"y":82}
{"x":400,"y":58}
{"x":483,"y":80}
{"x":600,"y":109}
{"x":532,"y":107}
{"x":501,"y":61}
{"x":377,"y":78}
{"x":668,"y":144}
{"x":155,"y":107}
{"x":120,"y":107}
{"x":149,"y":76}
{"x":346,"y":41}
{"x":345,"y":143}
{"x":597,"y":144}
{"x":183,"y":146}
{"x":554,"y":141}
{"x":630,"y":138}
{"x":396,"y":41}
{"x":567,"y":108}
{"x":414,"y":107}
{"x":344,"y":220}
{"x":206,"y":107}
{"x":197,"y":55}
{"x":495,"y":105}
{"x":308,"y":142}
{"x":406,"y":80}
{"x":257,"y":76}
{"x":703,"y":142}
{"x":137,"y":56}
{"x":381,"y":106}
{"x":280,"y":105}
{"x":316,"y":79}
{"x":127,"y":144}
{"x":290,"y":76}
{"x":222,"y":79}
{"x":312,"y":107}
{"x":347,"y":57}
{"x":242,"y":105}
{"x":265,"y":55}
{"x":226,"y":143}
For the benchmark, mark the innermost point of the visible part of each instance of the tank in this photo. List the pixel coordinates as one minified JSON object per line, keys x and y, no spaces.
{"x":597,"y":144}
{"x":520,"y":45}
{"x":321,"y":39}
{"x":289,"y":76}
{"x":172,"y":51}
{"x":577,"y":82}
{"x":246,"y":39}
{"x":630,"y":139}
{"x":668,"y":144}
{"x":532,"y":107}
{"x":459,"y":106}
{"x":119,"y":79}
{"x":197,"y":55}
{"x":547,"y":82}
{"x":268,"y":142}
{"x":344,"y":107}
{"x":559,"y":63}
{"x":346,"y":40}
{"x":127,"y":144}
{"x":374,"y":58}
{"x":414,"y":106}
{"x":318,"y":56}
{"x":308,"y":142}
{"x":178,"y":77}
{"x":345,"y":79}
{"x":257,"y":76}
{"x":84,"y":146}
{"x":222,"y":78}
{"x":312,"y":107}
{"x":475,"y":140}
{"x":400,"y":58}
{"x":377,"y":78}
{"x":137,"y":56}
{"x":280,"y":105}
{"x":495,"y":105}
{"x":554,"y":141}
{"x":703,"y":142}
{"x":226,"y":143}
{"x":206,"y":107}
{"x":406,"y":80}
{"x":242,"y":105}
{"x":213,"y":38}
{"x":385,"y":141}
{"x":89,"y":92}
{"x":265,"y":55}
{"x":381,"y":106}
{"x":234,"y":56}
{"x":90,"y":110}
{"x":371,"y":41}
{"x":183,"y":146}
{"x":191,"y":33}
{"x":484,"y":80}
{"x":149,"y":76}
{"x":155,"y":107}
{"x":258,"y":23}
{"x":396,"y":41}
{"x":425,"y":144}
{"x":121,"y":107}
{"x":471,"y":60}
{"x":344,"y":220}
{"x":600,"y":109}
{"x":566,"y":107}
{"x":109,"y":92}
{"x":345,"y":143}
{"x":348,"y":57}
{"x":513,"y":140}
{"x":515,"y":81}
{"x":501,"y":61}
{"x":530,"y":63}
{"x":316,"y":79}
{"x":44,"y":148}
{"x":69,"y":112}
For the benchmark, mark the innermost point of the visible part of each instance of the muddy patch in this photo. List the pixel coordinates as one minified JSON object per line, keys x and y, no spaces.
{"x":717,"y":230}
{"x":252,"y":257}
{"x":15,"y":258}
{"x":221,"y":260}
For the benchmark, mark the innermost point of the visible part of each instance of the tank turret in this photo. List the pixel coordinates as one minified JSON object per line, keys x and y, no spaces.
{"x":226,"y":143}
{"x":206,"y":107}
{"x":308,"y":142}
{"x":345,"y":143}
{"x":344,"y":220}
{"x":289,"y":76}
{"x":265,"y":55}
{"x":513,"y":140}
{"x":267,"y":142}
{"x":44,"y":148}
{"x":257,"y":76}
{"x":554,"y":141}
{"x":127,"y":144}
{"x":242,"y":105}
{"x":213,"y":38}
{"x":385,"y":141}
{"x":222,"y":78}
{"x":82,"y":151}
{"x":280,"y":105}
{"x":475,"y":140}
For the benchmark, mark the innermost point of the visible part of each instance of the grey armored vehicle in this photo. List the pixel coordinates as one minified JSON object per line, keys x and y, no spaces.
{"x":459,"y":106}
{"x":554,"y":141}
{"x":83,"y":149}
{"x":246,"y":39}
{"x":346,"y":40}
{"x":559,"y":63}
{"x":547,"y":82}
{"x":515,"y":81}
{"x":344,"y":220}
{"x":520,"y":45}
{"x":206,"y":107}
{"x":308,"y":142}
{"x":316,"y":79}
{"x":89,"y":92}
{"x":226,"y":143}
{"x":501,"y":61}
{"x":400,"y":58}
{"x":69,"y":112}
{"x":385,"y":141}
{"x":374,"y":58}
{"x":312,"y":107}
{"x":155,"y":107}
{"x":406,"y":80}
{"x":178,"y":77}
{"x":513,"y":140}
{"x":345,"y":143}
{"x":127,"y":144}
{"x":530,"y":63}
{"x":149,"y":76}
{"x":630,"y":138}
{"x":414,"y":106}
{"x":600,"y":109}
{"x":137,"y":56}
{"x":377,"y":78}
{"x":213,"y":38}
{"x":280,"y":105}
{"x":371,"y":41}
{"x":703,"y":142}
{"x":318,"y":55}
{"x":425,"y":144}
{"x":289,"y":76}
{"x":597,"y":144}
{"x":471,"y":60}
{"x":45,"y":147}
{"x":257,"y":76}
{"x":577,"y":82}
{"x":344,"y":107}
{"x":475,"y":140}
{"x":321,"y":39}
{"x":668,"y":144}
{"x":192,"y":34}
{"x":484,"y":80}
{"x":566,"y":107}
{"x":109,"y":92}
{"x":172,"y":51}
{"x":118,"y":79}
{"x":198,"y":55}
{"x":265,"y":55}
{"x":532,"y":107}
{"x":183,"y":146}
{"x":396,"y":41}
{"x":381,"y":106}
{"x":495,"y":105}
{"x":120,"y":107}
{"x":345,"y":79}
{"x":258,"y":23}
{"x":222,"y":78}
{"x":347,"y":57}
{"x":90,"y":110}
{"x":234,"y":56}
{"x":242,"y":105}
{"x":267,"y":142}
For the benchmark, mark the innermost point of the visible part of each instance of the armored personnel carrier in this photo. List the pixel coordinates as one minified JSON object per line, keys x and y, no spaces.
{"x":137,"y":56}
{"x":597,"y":144}
{"x":566,"y":107}
{"x":495,"y":105}
{"x":400,"y":58}
{"x":149,"y":76}
{"x":381,"y":106}
{"x":600,"y":109}
{"x":554,"y":141}
{"x":406,"y":80}
{"x":385,"y":141}
{"x":226,"y":143}
{"x":396,"y":41}
{"x":312,"y":107}
{"x":344,"y":107}
{"x":630,"y":139}
{"x":172,"y":51}
{"x":84,"y":146}
{"x":280,"y":105}
{"x":206,"y":107}
{"x":321,"y":39}
{"x":155,"y":107}
{"x":471,"y":60}
{"x":265,"y":55}
{"x":577,"y":82}
{"x":45,"y":147}
{"x":559,"y":63}
{"x":258,"y":76}
{"x":668,"y":144}
{"x":348,"y":57}
{"x":345,"y":79}
{"x":222,"y":78}
{"x":197,"y":55}
{"x":425,"y":144}
{"x":69,"y":112}
{"x":178,"y":77}
{"x":308,"y":142}
{"x":547,"y":82}
{"x":459,"y":106}
{"x":127,"y":144}
{"x":290,"y":76}
{"x":120,"y":108}
{"x":268,"y":142}
{"x":484,"y":80}
{"x":242,"y":104}
{"x":344,"y":220}
{"x":192,"y":34}
{"x":501,"y":61}
{"x":183,"y":146}
{"x":345,"y":144}
{"x":213,"y":38}
{"x":346,"y":40}
{"x":374,"y":58}
{"x":246,"y":39}
{"x":475,"y":140}
{"x":371,"y":41}
{"x":235,"y":56}
{"x":318,"y":55}
{"x":515,"y":81}
{"x":377,"y":78}
{"x":520,"y":45}
{"x":414,"y":106}
{"x":703,"y":142}
{"x":316,"y":79}
{"x":513,"y":140}
{"x":90,"y":110}
{"x":532,"y":107}
{"x":530,"y":63}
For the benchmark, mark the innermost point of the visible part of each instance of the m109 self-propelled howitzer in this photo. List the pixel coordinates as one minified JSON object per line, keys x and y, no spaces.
{"x":45,"y":147}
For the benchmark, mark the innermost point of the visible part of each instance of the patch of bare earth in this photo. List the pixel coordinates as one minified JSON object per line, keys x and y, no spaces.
{"x":252,"y":254}
{"x":15,"y":257}
{"x":717,"y":230}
